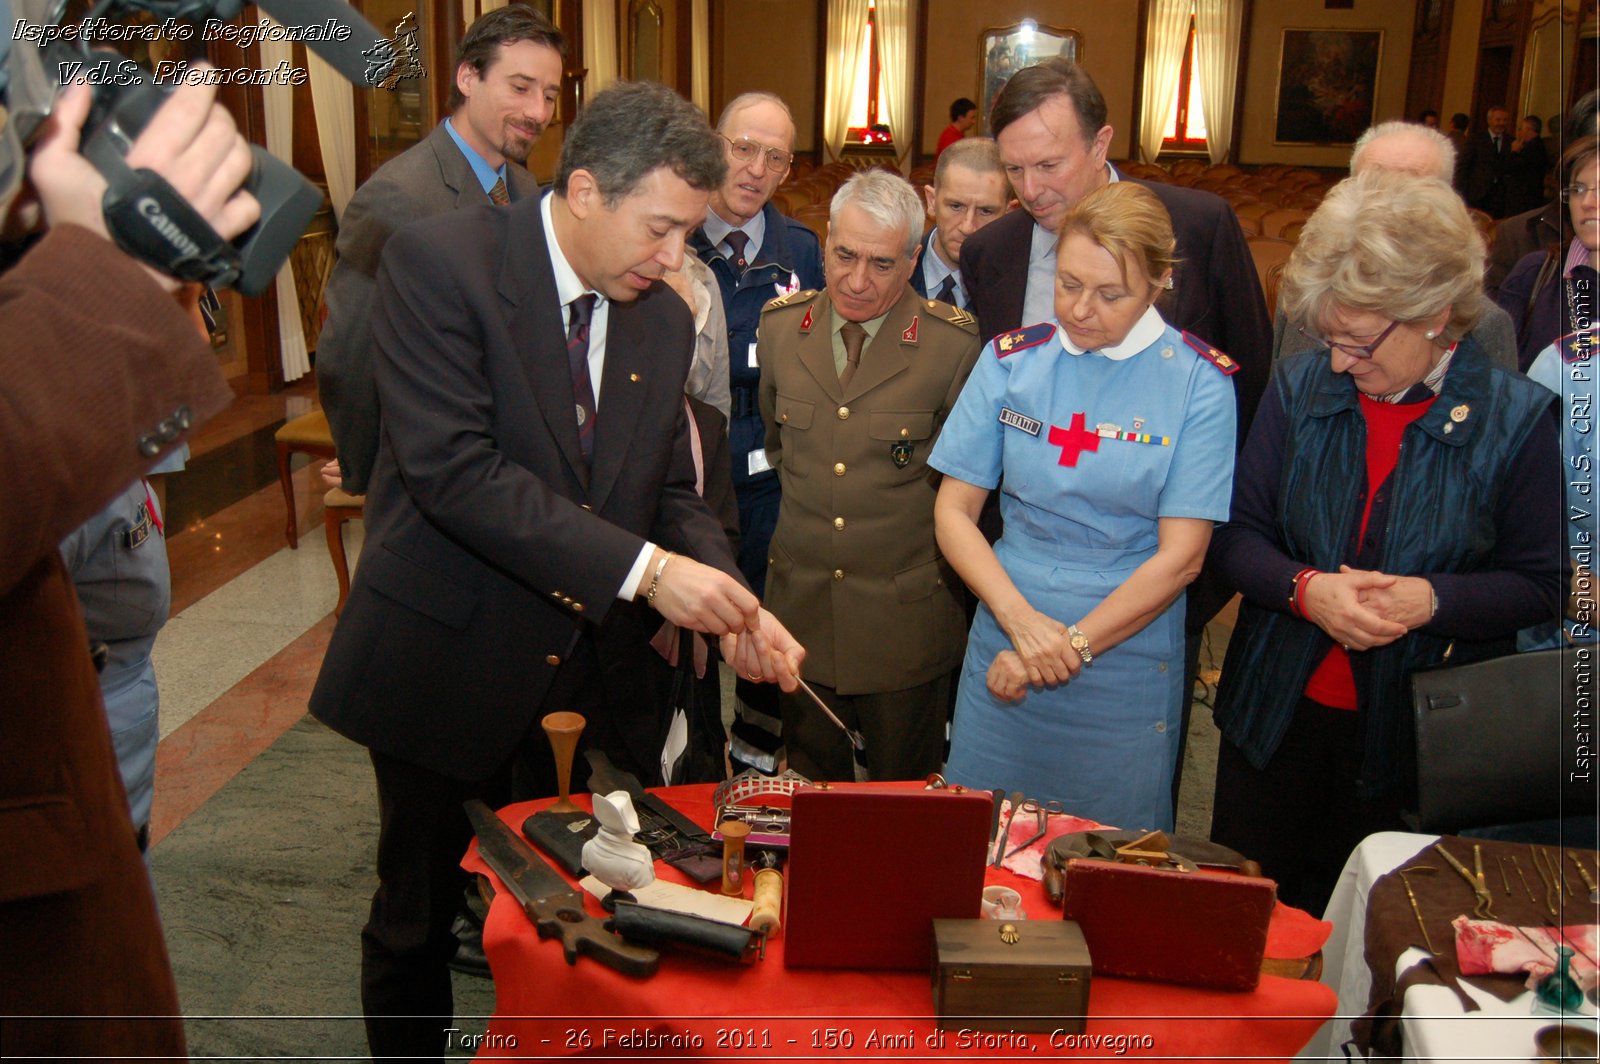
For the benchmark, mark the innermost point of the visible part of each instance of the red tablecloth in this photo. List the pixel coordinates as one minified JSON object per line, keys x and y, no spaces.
{"x":696,"y":1006}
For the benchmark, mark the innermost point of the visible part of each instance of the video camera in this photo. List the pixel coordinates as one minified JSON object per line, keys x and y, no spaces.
{"x":144,"y":214}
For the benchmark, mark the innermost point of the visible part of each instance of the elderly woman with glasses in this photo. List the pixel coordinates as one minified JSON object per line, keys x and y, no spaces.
{"x":1397,"y":506}
{"x":1551,"y":293}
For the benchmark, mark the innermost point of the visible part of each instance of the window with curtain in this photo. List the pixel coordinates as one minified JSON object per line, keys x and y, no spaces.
{"x":1185,"y":128}
{"x":865,"y":94}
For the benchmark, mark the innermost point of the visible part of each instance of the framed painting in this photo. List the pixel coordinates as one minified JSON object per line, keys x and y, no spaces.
{"x":1004,"y":50}
{"x":1327,"y":84}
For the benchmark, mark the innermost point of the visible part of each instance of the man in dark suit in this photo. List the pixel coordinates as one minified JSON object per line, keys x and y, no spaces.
{"x":104,"y":375}
{"x":1484,"y":162}
{"x":534,"y":477}
{"x":507,"y":82}
{"x":1050,"y":124}
{"x":969,"y":191}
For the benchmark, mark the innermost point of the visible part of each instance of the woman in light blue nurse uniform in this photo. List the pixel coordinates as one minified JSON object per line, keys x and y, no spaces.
{"x":1111,"y":437}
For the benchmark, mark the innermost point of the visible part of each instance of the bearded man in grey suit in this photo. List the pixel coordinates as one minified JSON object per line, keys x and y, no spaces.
{"x":507,"y":82}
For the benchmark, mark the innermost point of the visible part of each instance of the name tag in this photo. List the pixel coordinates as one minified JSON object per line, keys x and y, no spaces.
{"x":757,"y":462}
{"x":1010,"y":417}
{"x":135,"y":537}
{"x":753,"y":363}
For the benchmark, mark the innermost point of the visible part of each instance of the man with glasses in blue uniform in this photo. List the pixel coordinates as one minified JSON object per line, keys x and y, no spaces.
{"x":757,"y":255}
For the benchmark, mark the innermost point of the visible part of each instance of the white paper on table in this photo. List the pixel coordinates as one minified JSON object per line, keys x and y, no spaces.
{"x":678,"y":898}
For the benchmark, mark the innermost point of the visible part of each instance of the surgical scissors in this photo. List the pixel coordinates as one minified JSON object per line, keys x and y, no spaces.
{"x":1042,"y":812}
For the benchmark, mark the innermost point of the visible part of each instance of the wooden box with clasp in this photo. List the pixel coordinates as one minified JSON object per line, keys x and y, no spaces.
{"x":1021,"y":975}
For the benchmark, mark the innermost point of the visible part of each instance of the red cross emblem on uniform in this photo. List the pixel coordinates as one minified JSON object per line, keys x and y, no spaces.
{"x":1073,"y":440}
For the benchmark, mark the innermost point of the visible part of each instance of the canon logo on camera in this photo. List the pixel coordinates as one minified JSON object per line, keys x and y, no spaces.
{"x":150,"y":209}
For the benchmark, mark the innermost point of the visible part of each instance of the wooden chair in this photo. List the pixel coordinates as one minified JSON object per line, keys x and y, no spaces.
{"x":307,"y":434}
{"x":814,"y":217}
{"x":1267,"y":252}
{"x":1270,"y":285}
{"x":1272,"y":222}
{"x":1291,"y":232}
{"x":1250,"y":224}
{"x":339,"y":506}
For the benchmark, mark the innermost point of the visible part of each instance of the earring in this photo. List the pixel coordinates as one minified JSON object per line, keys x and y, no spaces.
{"x":1429,"y":334}
{"x":1167,"y":284}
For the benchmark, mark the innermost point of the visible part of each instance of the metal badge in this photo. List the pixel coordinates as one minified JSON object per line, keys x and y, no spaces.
{"x":1459,"y":414}
{"x":1027,"y":424}
{"x":901,"y":453}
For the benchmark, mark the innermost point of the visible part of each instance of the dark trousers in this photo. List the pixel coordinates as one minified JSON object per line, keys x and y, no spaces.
{"x":1301,"y":815}
{"x":405,"y":985}
{"x":903,"y":730}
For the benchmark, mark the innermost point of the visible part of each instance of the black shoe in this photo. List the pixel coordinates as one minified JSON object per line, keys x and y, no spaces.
{"x":470,"y":958}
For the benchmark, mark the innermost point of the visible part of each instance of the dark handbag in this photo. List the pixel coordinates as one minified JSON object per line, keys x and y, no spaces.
{"x":699,"y":701}
{"x":1504,"y":741}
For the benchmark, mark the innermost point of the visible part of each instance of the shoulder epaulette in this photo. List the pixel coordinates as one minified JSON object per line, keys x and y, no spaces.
{"x":1578,"y":346}
{"x":1009,"y":343}
{"x":962,"y":319}
{"x":1208,"y":352}
{"x":789,"y":300}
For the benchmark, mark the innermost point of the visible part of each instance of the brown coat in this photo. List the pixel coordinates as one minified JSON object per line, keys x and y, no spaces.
{"x":102,"y":375}
{"x":854,"y":569}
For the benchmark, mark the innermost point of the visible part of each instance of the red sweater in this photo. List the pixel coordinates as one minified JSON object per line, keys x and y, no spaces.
{"x":1333,"y":684}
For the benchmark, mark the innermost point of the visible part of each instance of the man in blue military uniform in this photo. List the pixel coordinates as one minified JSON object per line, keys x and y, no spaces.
{"x":969,"y":191}
{"x":757,"y":255}
{"x":118,"y":564}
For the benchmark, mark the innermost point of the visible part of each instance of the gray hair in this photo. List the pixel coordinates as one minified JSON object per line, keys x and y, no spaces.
{"x":633,"y":128}
{"x":1390,"y":243}
{"x":749,"y":99}
{"x":1444,"y":169}
{"x":978,"y":154}
{"x":887,"y":199}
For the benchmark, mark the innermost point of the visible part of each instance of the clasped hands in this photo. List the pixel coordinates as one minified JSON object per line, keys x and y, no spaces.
{"x":1040,"y":655}
{"x":701,"y":598}
{"x":1361,"y":609}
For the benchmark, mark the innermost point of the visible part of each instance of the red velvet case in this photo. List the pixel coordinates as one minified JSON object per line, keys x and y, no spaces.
{"x":1199,"y":928}
{"x":869,"y":870}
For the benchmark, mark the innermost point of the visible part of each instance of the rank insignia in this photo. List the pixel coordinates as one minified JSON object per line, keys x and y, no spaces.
{"x":962,"y":317}
{"x":1021,"y":339}
{"x":805,"y":322}
{"x":910,"y":335}
{"x":1577,"y":346}
{"x":1010,"y":417}
{"x":900,"y":453}
{"x":1206,"y":351}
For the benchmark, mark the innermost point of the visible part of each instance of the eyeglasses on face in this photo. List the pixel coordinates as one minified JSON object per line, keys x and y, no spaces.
{"x":745,"y":150}
{"x":1352,"y":350}
{"x":1576,"y":191}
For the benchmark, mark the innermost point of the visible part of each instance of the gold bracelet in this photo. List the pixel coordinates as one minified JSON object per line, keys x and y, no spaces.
{"x":655,"y":579}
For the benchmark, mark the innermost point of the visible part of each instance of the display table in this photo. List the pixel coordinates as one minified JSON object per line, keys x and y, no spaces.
{"x":696,"y":1006}
{"x":1435,"y":1023}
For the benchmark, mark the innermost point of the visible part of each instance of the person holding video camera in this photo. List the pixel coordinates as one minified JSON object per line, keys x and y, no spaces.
{"x":104,"y":376}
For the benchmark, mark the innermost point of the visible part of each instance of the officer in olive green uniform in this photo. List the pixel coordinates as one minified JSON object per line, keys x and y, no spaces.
{"x":855,"y":383}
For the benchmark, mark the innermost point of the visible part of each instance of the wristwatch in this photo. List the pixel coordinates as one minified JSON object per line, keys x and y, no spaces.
{"x":1080,"y":642}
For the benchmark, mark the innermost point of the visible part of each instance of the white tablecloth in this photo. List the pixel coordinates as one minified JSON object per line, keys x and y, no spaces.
{"x":1434,"y":1025}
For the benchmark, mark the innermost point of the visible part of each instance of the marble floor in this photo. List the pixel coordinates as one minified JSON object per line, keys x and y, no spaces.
{"x":264,"y":821}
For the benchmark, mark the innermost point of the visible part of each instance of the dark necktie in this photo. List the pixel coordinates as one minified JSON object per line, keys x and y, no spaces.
{"x":582,"y":310}
{"x":499,"y":194}
{"x":1499,"y":145}
{"x":854,"y":336}
{"x":947,"y":291}
{"x":738,"y":240}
